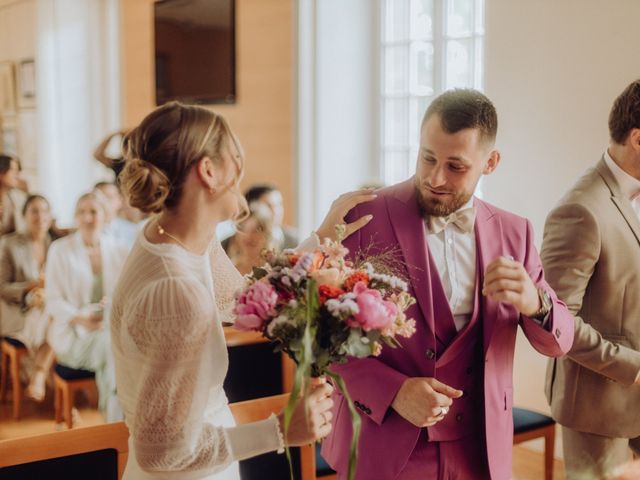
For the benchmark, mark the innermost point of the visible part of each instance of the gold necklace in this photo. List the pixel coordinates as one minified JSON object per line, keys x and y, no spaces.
{"x":162,"y":231}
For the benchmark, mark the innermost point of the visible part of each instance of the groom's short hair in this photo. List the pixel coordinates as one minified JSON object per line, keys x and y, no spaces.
{"x":464,"y":108}
{"x":625,"y":113}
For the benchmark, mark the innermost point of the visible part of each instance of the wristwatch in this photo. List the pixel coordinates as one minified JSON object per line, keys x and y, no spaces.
{"x":545,"y":305}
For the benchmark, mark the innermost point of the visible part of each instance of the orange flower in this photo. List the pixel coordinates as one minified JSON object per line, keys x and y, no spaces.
{"x":354,"y":278}
{"x":318,"y":260}
{"x":327,"y":291}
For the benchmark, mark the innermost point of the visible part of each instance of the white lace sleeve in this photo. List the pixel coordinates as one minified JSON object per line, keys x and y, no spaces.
{"x":226,"y":282}
{"x":173,"y":329}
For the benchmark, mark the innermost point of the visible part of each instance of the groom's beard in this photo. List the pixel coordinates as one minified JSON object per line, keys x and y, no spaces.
{"x":436,"y":207}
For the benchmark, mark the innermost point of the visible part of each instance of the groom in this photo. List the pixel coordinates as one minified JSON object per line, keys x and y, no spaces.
{"x":440,"y":406}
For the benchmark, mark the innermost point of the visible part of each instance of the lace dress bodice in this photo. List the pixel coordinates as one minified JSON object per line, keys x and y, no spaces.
{"x":171,"y":361}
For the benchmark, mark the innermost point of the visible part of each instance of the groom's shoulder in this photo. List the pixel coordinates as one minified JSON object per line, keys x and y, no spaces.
{"x":384,"y":196}
{"x":508,"y":220}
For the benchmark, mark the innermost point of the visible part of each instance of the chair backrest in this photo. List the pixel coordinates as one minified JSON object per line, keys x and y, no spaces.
{"x":261,"y":408}
{"x":254,"y":347}
{"x":97,"y":447}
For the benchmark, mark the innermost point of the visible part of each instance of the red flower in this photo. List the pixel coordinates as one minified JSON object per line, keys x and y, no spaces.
{"x":327,"y":291}
{"x":354,"y":278}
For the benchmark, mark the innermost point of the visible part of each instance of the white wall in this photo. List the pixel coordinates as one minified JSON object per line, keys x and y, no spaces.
{"x":553,"y":68}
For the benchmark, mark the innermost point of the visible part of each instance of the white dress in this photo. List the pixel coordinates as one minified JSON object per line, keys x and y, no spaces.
{"x":171,"y":361}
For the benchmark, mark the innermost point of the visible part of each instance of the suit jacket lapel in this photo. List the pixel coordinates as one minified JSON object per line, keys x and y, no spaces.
{"x":489,"y":246}
{"x":409,"y":229}
{"x":623,"y":204}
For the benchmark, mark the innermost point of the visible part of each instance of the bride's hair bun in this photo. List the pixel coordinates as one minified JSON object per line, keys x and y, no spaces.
{"x":146,"y":186}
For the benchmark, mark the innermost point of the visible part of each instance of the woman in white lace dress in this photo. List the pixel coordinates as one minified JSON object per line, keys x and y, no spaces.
{"x":175,"y":291}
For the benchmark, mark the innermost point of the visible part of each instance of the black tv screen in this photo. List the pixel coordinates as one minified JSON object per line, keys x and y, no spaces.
{"x":195,"y":51}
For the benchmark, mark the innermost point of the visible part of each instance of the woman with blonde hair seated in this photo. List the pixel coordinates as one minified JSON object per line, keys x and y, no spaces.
{"x":22,"y":261}
{"x":176,"y":290}
{"x":82,"y":271}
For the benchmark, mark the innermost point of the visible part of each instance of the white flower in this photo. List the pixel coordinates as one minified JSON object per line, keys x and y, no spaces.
{"x":280,"y":320}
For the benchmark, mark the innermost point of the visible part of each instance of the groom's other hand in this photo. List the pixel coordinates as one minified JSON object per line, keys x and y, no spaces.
{"x":424,"y":401}
{"x":506,"y":280}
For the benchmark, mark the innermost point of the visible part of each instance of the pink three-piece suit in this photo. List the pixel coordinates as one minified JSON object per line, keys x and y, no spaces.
{"x":477,"y":360}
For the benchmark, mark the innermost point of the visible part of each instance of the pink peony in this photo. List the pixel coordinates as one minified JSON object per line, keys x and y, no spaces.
{"x":255,"y":306}
{"x":374,"y":313}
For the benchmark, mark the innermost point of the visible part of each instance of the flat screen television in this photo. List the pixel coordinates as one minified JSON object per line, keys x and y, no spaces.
{"x":195,"y":51}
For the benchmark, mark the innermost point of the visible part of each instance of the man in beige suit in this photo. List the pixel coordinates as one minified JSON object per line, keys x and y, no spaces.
{"x":591,"y":257}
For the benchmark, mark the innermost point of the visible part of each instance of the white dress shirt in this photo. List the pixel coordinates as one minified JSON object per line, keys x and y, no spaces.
{"x":454,"y":253}
{"x":630,"y":186}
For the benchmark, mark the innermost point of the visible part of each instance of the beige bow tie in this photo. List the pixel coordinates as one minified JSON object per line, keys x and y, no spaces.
{"x":463,"y":219}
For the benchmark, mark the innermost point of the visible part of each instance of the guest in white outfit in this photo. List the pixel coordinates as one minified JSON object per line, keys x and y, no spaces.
{"x":82,"y":271}
{"x":175,"y":292}
{"x":11,"y":197}
{"x":121,"y":229}
{"x":22,"y":260}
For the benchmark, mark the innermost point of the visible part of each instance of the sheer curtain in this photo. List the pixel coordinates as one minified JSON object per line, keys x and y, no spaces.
{"x":78,"y":90}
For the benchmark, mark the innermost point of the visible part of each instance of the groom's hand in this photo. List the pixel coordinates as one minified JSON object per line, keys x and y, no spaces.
{"x":506,"y":280}
{"x":421,"y":400}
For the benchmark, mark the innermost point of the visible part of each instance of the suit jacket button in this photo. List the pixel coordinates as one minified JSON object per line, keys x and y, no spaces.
{"x":368,"y":411}
{"x":357,"y":404}
{"x":430,"y":354}
{"x":459,"y":417}
{"x":558,"y":333}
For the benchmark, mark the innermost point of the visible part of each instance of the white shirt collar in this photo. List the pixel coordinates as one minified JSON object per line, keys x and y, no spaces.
{"x":630,"y":186}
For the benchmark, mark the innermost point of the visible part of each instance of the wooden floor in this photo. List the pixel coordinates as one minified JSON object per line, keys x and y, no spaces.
{"x":38,"y":418}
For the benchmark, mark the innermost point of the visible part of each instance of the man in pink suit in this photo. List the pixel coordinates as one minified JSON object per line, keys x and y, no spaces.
{"x":440,"y":406}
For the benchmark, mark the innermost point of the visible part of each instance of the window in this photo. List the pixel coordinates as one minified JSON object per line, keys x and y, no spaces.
{"x":427,"y":46}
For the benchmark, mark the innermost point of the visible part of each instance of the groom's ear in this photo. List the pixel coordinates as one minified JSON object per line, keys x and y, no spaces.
{"x":492,"y":162}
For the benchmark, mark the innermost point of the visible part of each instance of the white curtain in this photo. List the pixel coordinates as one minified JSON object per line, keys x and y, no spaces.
{"x":78,"y":81}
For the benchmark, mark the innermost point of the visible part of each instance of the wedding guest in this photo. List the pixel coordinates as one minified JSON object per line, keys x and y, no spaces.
{"x":118,"y":227}
{"x":591,"y":254}
{"x":24,"y":318}
{"x":101,"y":153}
{"x":11,"y":197}
{"x":254,"y":235}
{"x":440,"y":406}
{"x":82,"y":271}
{"x":269,"y":196}
{"x":176,"y":290}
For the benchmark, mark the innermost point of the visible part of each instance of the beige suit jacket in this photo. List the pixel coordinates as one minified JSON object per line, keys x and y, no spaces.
{"x":591,"y":258}
{"x":17,"y":269}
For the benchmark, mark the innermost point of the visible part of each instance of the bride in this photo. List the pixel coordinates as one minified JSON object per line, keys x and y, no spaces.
{"x":176,"y":290}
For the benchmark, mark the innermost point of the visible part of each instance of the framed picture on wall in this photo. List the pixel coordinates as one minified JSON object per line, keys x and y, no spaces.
{"x":26,"y":80}
{"x":7,"y":88}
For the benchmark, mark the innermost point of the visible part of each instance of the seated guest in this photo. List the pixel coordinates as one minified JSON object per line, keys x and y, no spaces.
{"x":284,"y":236}
{"x":253,"y":236}
{"x":82,"y":270}
{"x":121,"y":229}
{"x":22,"y":260}
{"x":114,"y":162}
{"x":11,"y":197}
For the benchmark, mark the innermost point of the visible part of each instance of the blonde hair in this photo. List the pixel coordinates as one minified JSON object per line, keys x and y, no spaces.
{"x":160,"y":152}
{"x":98,"y":198}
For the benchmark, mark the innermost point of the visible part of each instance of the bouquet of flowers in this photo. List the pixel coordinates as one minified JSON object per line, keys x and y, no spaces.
{"x":321,"y":308}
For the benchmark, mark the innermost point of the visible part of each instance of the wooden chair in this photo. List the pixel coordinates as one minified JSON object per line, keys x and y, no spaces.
{"x":261,"y":408}
{"x":528,"y":425}
{"x":237,"y":338}
{"x":12,"y":352}
{"x":66,"y":383}
{"x":28,"y":452}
